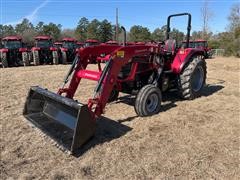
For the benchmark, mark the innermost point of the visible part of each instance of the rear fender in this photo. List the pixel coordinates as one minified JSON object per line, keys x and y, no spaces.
{"x":53,"y":49}
{"x":22,"y":49}
{"x":64,"y":49}
{"x":35,"y":49}
{"x":4,"y":50}
{"x":183,"y":57}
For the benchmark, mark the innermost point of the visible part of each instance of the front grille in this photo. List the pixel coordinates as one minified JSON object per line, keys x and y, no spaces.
{"x":45,"y":56}
{"x":14,"y":57}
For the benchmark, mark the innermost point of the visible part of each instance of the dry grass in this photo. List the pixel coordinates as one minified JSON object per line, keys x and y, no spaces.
{"x":196,"y":139}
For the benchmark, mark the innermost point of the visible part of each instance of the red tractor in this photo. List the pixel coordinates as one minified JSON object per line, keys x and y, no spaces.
{"x":145,"y":71}
{"x":43,"y":51}
{"x":201,"y":44}
{"x":13,"y":53}
{"x":68,"y":50}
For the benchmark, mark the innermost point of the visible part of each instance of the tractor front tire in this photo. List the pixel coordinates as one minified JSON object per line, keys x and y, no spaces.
{"x":25,"y":59}
{"x":4,"y":60}
{"x":36,"y":61}
{"x":64,"y":57}
{"x":192,"y":79}
{"x":148,"y":101}
{"x":55,"y":57}
{"x":114,"y":95}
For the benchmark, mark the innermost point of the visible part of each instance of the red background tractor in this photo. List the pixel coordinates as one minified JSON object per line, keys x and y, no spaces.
{"x":13,"y":53}
{"x":43,"y":51}
{"x":68,"y":50}
{"x":201,"y":44}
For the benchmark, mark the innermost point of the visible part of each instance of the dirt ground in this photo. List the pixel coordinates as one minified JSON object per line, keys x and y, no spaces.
{"x":196,"y":139}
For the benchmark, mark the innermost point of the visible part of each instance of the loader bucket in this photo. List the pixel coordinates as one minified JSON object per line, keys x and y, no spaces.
{"x":66,"y":121}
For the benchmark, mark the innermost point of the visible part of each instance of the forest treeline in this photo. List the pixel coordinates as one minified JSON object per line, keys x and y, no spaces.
{"x":105,"y":31}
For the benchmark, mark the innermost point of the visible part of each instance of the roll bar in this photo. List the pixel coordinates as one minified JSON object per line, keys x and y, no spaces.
{"x":188,"y":27}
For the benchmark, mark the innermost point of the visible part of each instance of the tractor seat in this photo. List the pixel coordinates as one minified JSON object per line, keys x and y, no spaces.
{"x":170,"y":46}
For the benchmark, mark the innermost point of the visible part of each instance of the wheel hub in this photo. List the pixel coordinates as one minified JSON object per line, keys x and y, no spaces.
{"x":197,"y":79}
{"x":152,"y":102}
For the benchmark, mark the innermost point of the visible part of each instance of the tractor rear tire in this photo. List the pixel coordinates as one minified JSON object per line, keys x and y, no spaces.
{"x":30,"y":57}
{"x":25,"y":59}
{"x":192,"y":79}
{"x":4,"y":60}
{"x":64,"y":57}
{"x":36,"y":61}
{"x":148,"y":101}
{"x":55,"y":57}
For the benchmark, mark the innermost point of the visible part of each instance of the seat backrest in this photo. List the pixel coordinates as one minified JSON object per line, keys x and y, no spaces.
{"x":170,"y":45}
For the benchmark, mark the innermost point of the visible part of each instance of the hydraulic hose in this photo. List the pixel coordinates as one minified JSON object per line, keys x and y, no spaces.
{"x":71,"y":69}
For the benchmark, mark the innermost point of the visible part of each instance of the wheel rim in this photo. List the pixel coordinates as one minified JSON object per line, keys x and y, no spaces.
{"x":152,"y":102}
{"x":197,"y":79}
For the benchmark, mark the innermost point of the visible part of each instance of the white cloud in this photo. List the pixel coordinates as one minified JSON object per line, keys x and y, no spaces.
{"x":32,"y":16}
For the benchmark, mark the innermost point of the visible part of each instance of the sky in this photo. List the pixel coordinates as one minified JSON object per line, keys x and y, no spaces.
{"x":151,"y":14}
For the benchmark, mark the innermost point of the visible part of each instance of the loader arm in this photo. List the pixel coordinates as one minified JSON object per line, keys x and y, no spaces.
{"x":120,"y":56}
{"x":86,"y":56}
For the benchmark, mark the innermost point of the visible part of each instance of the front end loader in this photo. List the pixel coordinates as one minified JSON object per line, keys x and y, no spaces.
{"x":145,"y":71}
{"x":68,"y":122}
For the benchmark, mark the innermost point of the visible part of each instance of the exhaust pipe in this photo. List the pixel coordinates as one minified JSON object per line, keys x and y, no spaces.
{"x":124,"y":35}
{"x":68,"y":122}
